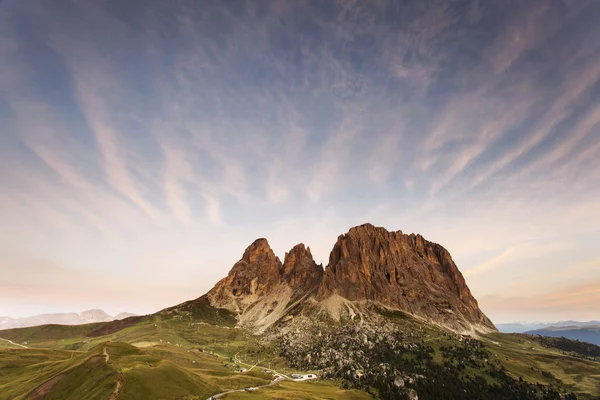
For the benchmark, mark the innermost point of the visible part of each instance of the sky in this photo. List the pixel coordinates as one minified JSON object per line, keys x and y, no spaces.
{"x":145,"y":144}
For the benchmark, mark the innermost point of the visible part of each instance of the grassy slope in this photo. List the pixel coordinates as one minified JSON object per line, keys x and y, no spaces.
{"x":170,"y":364}
{"x":24,"y":370}
{"x":301,"y":391}
{"x":525,"y":358}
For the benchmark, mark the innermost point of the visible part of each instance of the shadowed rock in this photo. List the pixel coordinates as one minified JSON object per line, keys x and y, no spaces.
{"x":300,"y":270}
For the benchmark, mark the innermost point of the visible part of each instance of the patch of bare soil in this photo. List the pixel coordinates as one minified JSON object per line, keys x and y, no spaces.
{"x":95,"y":360}
{"x":118,"y":387}
{"x":45,"y":388}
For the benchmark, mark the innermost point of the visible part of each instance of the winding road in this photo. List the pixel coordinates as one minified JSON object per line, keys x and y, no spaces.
{"x":278,"y":378}
{"x":16,"y":344}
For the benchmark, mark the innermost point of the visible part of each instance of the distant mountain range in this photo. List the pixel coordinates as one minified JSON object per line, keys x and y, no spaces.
{"x":523,"y":327}
{"x":588,"y":333}
{"x":85,"y":317}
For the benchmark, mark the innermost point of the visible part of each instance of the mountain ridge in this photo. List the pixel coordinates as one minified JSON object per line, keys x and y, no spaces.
{"x":583,"y":333}
{"x":522,"y":327}
{"x":73,"y":318}
{"x":367,"y":266}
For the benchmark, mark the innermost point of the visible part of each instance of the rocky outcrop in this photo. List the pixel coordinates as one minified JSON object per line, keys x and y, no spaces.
{"x":257,"y":274}
{"x":300,"y":271}
{"x":404,"y":272}
{"x":368,"y":265}
{"x":261,"y":289}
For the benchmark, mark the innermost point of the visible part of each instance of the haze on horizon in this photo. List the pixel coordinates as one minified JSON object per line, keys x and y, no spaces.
{"x":144,"y":145}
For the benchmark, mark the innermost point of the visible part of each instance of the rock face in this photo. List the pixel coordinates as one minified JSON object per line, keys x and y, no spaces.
{"x":262,"y":289}
{"x":300,"y":270}
{"x":256,"y":274}
{"x":405,"y":272}
{"x":367,"y":266}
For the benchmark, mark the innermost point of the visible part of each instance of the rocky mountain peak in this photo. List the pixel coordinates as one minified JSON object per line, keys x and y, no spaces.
{"x":401,"y":271}
{"x":367,"y":264}
{"x":299,"y":251}
{"x":256,"y":274}
{"x":300,"y":270}
{"x":259,"y":252}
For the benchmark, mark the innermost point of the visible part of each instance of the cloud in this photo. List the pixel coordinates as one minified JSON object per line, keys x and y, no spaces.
{"x":579,"y":132}
{"x":559,"y":305}
{"x":521,"y":253}
{"x":576,"y":85}
{"x":213,"y":208}
{"x":177,"y":171}
{"x":187,"y":131}
{"x":109,"y":145}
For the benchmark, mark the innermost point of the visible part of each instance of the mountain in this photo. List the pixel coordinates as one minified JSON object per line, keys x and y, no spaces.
{"x":96,"y":315}
{"x":85,"y":317}
{"x":123,"y":315}
{"x":390,"y":317}
{"x":522,"y":327}
{"x":589,"y":334}
{"x":368,"y":267}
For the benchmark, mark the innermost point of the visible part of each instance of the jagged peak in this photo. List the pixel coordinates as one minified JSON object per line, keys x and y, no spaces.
{"x":259,"y":249}
{"x":369,"y":229}
{"x":298,"y":251}
{"x":401,"y":271}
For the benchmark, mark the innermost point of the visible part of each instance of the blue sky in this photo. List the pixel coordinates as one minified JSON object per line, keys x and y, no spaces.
{"x":144,"y":145}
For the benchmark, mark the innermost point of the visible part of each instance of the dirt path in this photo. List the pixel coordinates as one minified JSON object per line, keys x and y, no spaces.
{"x":105,"y":354}
{"x":118,"y":388}
{"x":119,"y":384}
{"x":16,"y":344}
{"x":42,"y":391}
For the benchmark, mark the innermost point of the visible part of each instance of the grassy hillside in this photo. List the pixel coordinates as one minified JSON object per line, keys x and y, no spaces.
{"x":171,"y":355}
{"x":524,"y":356}
{"x":188,"y":353}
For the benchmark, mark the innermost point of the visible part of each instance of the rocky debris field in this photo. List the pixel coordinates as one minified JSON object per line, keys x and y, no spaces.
{"x":401,"y":360}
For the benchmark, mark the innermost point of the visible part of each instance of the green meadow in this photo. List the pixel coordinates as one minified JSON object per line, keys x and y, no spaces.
{"x":176,"y":355}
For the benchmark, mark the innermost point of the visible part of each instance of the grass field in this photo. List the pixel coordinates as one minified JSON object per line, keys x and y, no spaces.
{"x":163,"y":356}
{"x":301,"y":391}
{"x":525,"y":358}
{"x":177,"y":355}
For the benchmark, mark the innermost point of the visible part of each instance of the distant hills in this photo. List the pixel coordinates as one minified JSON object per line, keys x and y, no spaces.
{"x":588,"y":333}
{"x":523,"y":327}
{"x":85,"y":317}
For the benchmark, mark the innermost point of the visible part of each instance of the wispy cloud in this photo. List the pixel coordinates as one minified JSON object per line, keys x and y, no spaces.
{"x":521,"y":252}
{"x":546,"y":307}
{"x":177,"y":171}
{"x":576,"y":85}
{"x":188,"y":129}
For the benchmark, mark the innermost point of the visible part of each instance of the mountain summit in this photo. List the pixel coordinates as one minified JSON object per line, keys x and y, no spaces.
{"x":368,"y":267}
